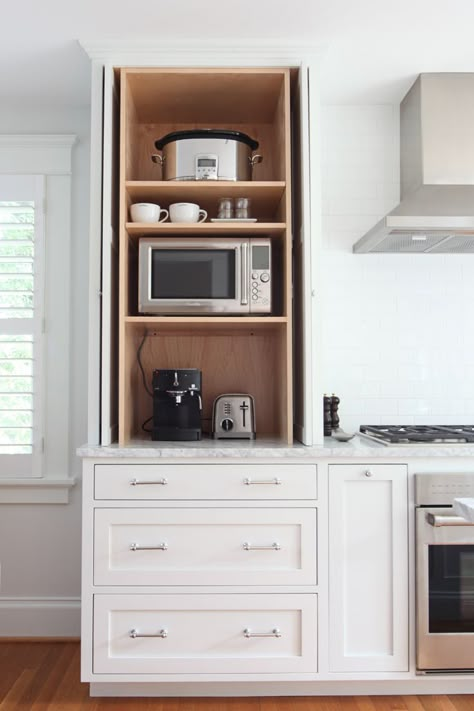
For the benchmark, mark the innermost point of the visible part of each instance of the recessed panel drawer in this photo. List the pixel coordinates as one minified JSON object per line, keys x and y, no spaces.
{"x":205,"y":634}
{"x":205,"y":546}
{"x":205,"y":481}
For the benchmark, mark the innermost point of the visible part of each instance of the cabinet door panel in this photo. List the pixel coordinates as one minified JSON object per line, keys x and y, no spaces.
{"x":368,"y":564}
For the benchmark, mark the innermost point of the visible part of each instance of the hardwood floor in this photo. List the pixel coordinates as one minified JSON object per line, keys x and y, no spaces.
{"x":44,"y":676}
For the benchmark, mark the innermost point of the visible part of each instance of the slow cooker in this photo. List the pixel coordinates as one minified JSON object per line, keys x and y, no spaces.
{"x":206,"y":154}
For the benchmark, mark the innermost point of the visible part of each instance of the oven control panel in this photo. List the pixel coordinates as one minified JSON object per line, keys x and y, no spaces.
{"x":442,"y":488}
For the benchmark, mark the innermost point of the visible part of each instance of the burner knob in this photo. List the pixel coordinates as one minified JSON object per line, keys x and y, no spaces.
{"x":227,"y":424}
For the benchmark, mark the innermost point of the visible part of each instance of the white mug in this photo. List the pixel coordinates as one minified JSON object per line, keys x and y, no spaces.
{"x":187,"y":212}
{"x":147,"y":212}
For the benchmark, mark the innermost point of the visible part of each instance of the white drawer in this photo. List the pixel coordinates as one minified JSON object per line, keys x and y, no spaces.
{"x":205,"y":546}
{"x":205,"y":634}
{"x":205,"y":481}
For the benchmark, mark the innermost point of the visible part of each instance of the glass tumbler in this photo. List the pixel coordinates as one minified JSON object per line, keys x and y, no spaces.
{"x":242,"y":208}
{"x":225,"y":209}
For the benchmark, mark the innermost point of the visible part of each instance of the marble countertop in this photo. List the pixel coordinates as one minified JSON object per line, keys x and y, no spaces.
{"x":464,"y":507}
{"x":358,"y":447}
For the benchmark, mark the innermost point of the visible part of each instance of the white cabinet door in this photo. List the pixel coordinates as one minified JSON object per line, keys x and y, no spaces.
{"x":368,"y":568}
{"x":103,"y":257}
{"x":110,"y":257}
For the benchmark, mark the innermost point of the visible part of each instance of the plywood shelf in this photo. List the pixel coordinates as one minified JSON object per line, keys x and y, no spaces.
{"x":206,"y":228}
{"x":182,"y":190}
{"x":243,"y":324}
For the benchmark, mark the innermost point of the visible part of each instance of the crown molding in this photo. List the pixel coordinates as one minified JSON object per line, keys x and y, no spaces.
{"x":230,"y":53}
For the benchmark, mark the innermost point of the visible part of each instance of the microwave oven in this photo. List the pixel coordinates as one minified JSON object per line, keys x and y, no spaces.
{"x":205,"y":276}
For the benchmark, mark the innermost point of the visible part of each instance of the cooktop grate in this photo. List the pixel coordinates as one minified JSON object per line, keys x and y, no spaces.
{"x":403,"y":434}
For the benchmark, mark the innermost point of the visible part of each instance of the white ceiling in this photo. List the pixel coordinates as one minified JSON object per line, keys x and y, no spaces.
{"x":373,"y":48}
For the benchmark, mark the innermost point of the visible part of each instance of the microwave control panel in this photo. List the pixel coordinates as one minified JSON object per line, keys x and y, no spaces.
{"x":260,"y":281}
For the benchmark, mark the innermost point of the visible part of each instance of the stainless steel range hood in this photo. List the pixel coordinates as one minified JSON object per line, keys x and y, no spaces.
{"x":436,"y":212}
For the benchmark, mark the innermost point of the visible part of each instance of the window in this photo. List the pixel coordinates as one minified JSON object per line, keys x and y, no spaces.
{"x":35,"y":302}
{"x":21,"y":319}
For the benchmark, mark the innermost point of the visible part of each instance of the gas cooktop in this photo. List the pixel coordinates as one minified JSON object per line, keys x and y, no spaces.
{"x":419,"y":434}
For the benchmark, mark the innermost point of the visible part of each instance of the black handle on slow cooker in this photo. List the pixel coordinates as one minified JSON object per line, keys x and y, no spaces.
{"x":206,"y":133}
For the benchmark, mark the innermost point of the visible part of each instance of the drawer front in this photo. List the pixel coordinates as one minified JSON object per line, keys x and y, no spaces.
{"x":205,"y":634}
{"x":205,"y":547}
{"x":161,"y":482}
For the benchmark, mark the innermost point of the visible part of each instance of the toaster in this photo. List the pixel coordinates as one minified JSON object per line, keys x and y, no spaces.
{"x":233,"y":417}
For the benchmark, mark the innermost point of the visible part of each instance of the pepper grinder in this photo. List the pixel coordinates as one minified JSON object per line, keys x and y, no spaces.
{"x":327,"y":402}
{"x":334,"y":413}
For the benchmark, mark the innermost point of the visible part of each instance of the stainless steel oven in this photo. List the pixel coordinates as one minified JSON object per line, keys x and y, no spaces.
{"x":444,"y":575}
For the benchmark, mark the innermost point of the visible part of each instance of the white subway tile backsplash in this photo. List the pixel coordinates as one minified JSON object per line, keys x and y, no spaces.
{"x":400,"y":389}
{"x":446,"y":420}
{"x":357,"y":190}
{"x":413,"y":406}
{"x":381,"y":406}
{"x":389,"y":191}
{"x":397,"y":336}
{"x":354,"y":206}
{"x":358,"y":224}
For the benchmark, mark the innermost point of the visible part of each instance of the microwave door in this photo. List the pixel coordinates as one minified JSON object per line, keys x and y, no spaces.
{"x":189,"y":277}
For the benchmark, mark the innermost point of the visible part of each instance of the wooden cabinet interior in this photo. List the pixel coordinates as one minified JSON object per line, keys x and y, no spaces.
{"x":158,"y":101}
{"x":248,"y":354}
{"x":233,"y":357}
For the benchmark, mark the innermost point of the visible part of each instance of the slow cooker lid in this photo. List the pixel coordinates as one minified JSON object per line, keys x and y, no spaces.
{"x":206,"y":133}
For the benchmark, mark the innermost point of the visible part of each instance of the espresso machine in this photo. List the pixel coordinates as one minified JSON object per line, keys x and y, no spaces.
{"x":177,"y":405}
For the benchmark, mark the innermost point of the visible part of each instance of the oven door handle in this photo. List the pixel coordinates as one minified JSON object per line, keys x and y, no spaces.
{"x":438,"y":520}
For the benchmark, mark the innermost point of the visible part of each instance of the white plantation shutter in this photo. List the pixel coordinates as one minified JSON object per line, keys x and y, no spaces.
{"x":21,"y":324}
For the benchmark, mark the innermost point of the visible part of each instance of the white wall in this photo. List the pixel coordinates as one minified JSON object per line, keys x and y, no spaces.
{"x":40,"y":544}
{"x":398,"y":342}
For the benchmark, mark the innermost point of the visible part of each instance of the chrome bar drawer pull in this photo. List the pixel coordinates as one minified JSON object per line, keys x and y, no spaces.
{"x":275,"y":481}
{"x":134,"y":634}
{"x":274,"y":633}
{"x":272,"y":547}
{"x":136,"y":482}
{"x":160,"y":547}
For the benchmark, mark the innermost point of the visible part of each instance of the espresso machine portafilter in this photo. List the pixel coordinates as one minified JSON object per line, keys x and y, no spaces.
{"x":177,"y":405}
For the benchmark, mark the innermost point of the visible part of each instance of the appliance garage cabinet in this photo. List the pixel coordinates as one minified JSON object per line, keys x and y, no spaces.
{"x":195,"y":569}
{"x":251,"y":353}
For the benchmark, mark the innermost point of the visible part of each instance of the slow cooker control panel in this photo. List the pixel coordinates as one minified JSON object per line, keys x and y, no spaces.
{"x":206,"y":166}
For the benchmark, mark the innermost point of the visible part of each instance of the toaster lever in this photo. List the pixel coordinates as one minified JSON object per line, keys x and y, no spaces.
{"x":244,"y":407}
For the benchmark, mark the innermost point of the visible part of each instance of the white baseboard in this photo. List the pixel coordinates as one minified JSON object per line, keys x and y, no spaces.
{"x":40,"y":617}
{"x":419,"y":686}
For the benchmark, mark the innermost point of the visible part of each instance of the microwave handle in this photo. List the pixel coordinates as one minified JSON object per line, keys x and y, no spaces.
{"x":244,"y":273}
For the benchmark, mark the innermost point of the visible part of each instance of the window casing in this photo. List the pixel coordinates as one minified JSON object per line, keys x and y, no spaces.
{"x":44,"y":474}
{"x":21,"y":325}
